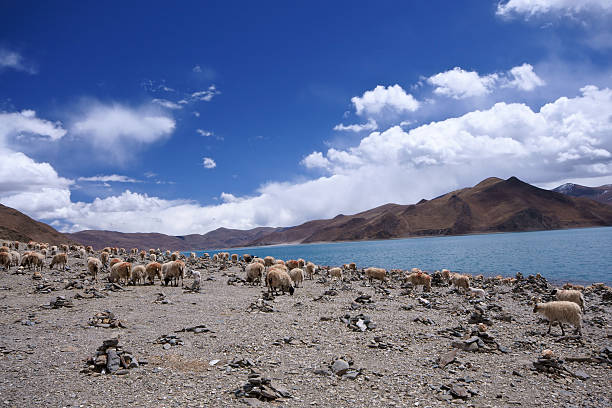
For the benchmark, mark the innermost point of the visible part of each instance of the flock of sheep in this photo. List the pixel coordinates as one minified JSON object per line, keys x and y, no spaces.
{"x":276,"y":274}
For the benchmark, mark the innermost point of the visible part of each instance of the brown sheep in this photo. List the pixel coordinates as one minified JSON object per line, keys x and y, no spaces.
{"x":59,"y":260}
{"x":292,"y":264}
{"x":420,"y":278}
{"x":268,"y":261}
{"x":310,"y":269}
{"x":297,"y":276}
{"x":115,"y":261}
{"x":376,"y":273}
{"x":5,"y":260}
{"x":142,"y":255}
{"x":104,"y":257}
{"x":335,"y":273}
{"x":279,"y":279}
{"x":120,"y":271}
{"x":153,"y":269}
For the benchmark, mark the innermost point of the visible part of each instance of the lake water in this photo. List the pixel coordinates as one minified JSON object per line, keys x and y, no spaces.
{"x":576,"y":255}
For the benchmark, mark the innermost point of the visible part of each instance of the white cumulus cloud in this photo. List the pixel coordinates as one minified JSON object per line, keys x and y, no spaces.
{"x":530,"y":8}
{"x":14,"y":60}
{"x":458,"y":83}
{"x":524,"y":78}
{"x":380,"y":99}
{"x":110,"y":178}
{"x":208,"y":163}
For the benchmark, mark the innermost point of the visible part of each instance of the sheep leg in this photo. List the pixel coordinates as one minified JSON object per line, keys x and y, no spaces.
{"x":562,"y":331}
{"x":549,"y":327}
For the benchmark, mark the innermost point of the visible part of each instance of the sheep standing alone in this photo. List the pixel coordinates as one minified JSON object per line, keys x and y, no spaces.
{"x":279,"y":279}
{"x":153,"y":269}
{"x":310,"y":269}
{"x":375,"y":273}
{"x":94,"y":266}
{"x":420,"y":278}
{"x":335,"y":273}
{"x":297,"y":276}
{"x":477,"y":292}
{"x":254,"y":272}
{"x":570,"y":295}
{"x":561,"y":311}
{"x":59,"y":260}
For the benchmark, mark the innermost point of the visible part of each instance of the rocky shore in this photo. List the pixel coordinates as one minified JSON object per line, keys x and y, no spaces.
{"x":68,"y":342}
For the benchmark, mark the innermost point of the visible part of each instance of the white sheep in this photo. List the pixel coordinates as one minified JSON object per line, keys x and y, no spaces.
{"x":561,"y":311}
{"x":570,"y":295}
{"x":94,"y":266}
{"x":139,"y":273}
{"x":152,"y":257}
{"x":477,"y":292}
{"x":15,"y":258}
{"x":172,"y":271}
{"x":297,"y":276}
{"x":254,"y":272}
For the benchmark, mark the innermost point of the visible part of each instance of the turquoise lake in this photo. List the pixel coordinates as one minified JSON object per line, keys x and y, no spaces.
{"x":576,"y":255}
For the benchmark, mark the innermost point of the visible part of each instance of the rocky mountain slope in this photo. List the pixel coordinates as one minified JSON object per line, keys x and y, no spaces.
{"x":603,"y":194}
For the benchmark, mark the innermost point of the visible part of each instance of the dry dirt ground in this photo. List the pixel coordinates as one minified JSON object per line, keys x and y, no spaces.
{"x":43,"y":351}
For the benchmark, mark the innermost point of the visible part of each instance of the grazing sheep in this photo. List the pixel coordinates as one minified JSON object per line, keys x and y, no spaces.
{"x":4,"y":249}
{"x":5,"y":260}
{"x":280,"y":267}
{"x":254,"y":272}
{"x":335,"y":273}
{"x":572,"y":286}
{"x":64,"y":248}
{"x":460,"y":281}
{"x":279,"y":262}
{"x":234,"y":258}
{"x":172,"y":271}
{"x":352,"y":266}
{"x":139,"y":273}
{"x":37,"y":260}
{"x":104,"y":257}
{"x":122,"y":251}
{"x":82,"y":253}
{"x":420,"y":278}
{"x":89,"y":249}
{"x":114,"y":261}
{"x":59,"y":260}
{"x":301,"y":263}
{"x":142,"y":255}
{"x":563,"y":312}
{"x":259,"y":260}
{"x":151,"y":251}
{"x":152,"y":258}
{"x":477,"y":292}
{"x":153,"y":269}
{"x":94,"y":266}
{"x":134,"y":251}
{"x":310,"y":269}
{"x":247,"y":257}
{"x":215,"y":258}
{"x":570,"y":295}
{"x":268,"y":261}
{"x":120,"y":271}
{"x":297,"y":276}
{"x":446,"y":275}
{"x":279,"y":279}
{"x":174,"y":256}
{"x":376,"y":273}
{"x":292,"y":264}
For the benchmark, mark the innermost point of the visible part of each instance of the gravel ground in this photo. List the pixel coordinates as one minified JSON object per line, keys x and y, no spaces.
{"x":43,"y":351}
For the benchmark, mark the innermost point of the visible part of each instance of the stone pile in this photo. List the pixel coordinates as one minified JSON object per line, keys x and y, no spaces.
{"x":58,"y":302}
{"x":44,"y":288}
{"x":481,"y":341}
{"x":259,"y":387}
{"x":110,"y":358}
{"x":364,"y":299}
{"x":239,"y":362}
{"x":161,"y":299}
{"x":106,"y":319}
{"x":260,"y":306}
{"x":201,"y":328}
{"x":359,"y":322}
{"x":113,"y":287}
{"x":480,"y":315}
{"x":169,"y":340}
{"x":90,"y":293}
{"x":74,"y":285}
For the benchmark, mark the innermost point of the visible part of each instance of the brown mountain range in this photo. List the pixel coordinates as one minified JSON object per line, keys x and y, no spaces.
{"x":16,"y":226}
{"x":493,"y":205}
{"x":603,"y":194}
{"x":219,"y":238}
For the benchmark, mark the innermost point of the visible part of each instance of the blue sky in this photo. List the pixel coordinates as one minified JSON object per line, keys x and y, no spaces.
{"x":240,"y":114}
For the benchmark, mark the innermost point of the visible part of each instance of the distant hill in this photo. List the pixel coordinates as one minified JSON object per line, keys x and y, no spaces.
{"x":219,"y":238}
{"x":603,"y":194}
{"x":16,"y":226}
{"x":493,"y":205}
